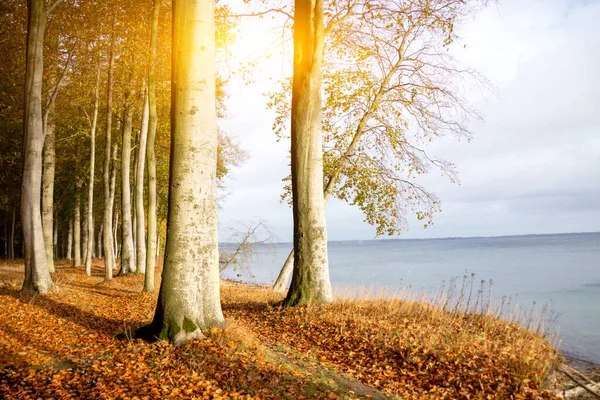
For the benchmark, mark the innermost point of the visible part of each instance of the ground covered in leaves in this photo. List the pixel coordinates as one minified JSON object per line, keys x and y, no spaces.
{"x":64,"y":345}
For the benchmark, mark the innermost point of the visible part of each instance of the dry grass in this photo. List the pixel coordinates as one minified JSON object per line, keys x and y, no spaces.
{"x":373,"y":348}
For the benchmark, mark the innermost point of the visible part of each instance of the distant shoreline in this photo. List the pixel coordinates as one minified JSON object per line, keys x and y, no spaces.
{"x":398,"y":239}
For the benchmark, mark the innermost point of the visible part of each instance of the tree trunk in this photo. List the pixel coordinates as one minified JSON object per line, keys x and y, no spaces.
{"x":151,"y":260}
{"x":49,"y":162}
{"x":11,"y":240}
{"x":115,"y":219}
{"x":55,"y":241}
{"x":77,"y":229}
{"x":283,"y":278}
{"x":37,"y":278}
{"x":140,"y":236}
{"x":70,"y":241}
{"x":90,"y":214}
{"x":127,"y":251}
{"x":310,"y":279}
{"x":100,"y":241}
{"x":109,"y":261}
{"x":189,"y":298}
{"x":84,"y":232}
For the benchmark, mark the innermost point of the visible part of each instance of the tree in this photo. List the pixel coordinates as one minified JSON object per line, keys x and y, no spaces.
{"x":310,"y":279}
{"x":151,"y":258}
{"x":189,"y":298}
{"x":37,"y":278}
{"x":127,"y":252}
{"x":107,"y":221}
{"x":391,"y":87}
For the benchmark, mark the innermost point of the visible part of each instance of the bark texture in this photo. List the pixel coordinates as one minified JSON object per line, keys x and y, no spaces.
{"x":37,"y":278}
{"x":90,"y":211}
{"x":127,"y":250}
{"x":151,"y":258}
{"x":49,"y":164}
{"x":77,"y":229}
{"x":310,"y":279}
{"x":189,"y":298}
{"x":109,"y":253}
{"x":140,"y":235}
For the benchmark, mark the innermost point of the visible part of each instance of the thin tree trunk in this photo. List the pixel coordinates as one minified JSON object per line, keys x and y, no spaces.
{"x":151,"y":260}
{"x":140,"y":235}
{"x":127,"y":251}
{"x":70,"y":241}
{"x":84,"y":232}
{"x":283,"y":278}
{"x":55,"y":241}
{"x":113,"y":191}
{"x":77,"y":229}
{"x":109,"y":261}
{"x":11,"y":244}
{"x":49,"y":162}
{"x":37,"y":278}
{"x":189,"y":298}
{"x":90,"y":213}
{"x":100,"y":241}
{"x":310,"y":279}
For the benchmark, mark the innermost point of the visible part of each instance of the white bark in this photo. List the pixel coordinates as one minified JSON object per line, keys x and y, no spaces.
{"x":310,"y":279}
{"x":109,"y":253}
{"x":127,"y":251}
{"x":140,"y":235}
{"x":189,"y":298}
{"x":90,"y":213}
{"x":49,"y":162}
{"x":37,"y":278}
{"x":77,"y":230}
{"x":151,"y":260}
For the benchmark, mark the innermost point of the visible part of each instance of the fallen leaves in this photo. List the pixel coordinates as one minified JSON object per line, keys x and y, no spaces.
{"x":63,"y":345}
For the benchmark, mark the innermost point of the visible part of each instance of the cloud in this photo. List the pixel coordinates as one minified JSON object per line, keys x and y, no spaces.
{"x":533,"y":165}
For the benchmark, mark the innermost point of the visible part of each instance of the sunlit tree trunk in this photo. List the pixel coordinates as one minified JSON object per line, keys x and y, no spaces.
{"x":11,"y":240}
{"x":151,"y":259}
{"x":115,"y":211}
{"x":90,"y":211}
{"x":100,"y":241}
{"x":127,"y":251}
{"x":109,"y":253}
{"x":37,"y":278}
{"x":140,"y":235}
{"x":77,"y":229}
{"x":310,"y":279}
{"x":55,"y":241}
{"x":189,"y":298}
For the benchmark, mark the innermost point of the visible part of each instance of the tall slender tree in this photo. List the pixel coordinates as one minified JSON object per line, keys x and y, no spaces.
{"x":310,"y":279}
{"x":140,"y":234}
{"x":127,"y":250}
{"x":189,"y":298}
{"x":107,"y":222}
{"x":151,"y":258}
{"x":37,"y":277}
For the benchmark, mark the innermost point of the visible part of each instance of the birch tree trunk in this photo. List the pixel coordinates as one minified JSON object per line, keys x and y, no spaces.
{"x":37,"y":278}
{"x":55,"y":241}
{"x":84,"y":232}
{"x":189,"y":298}
{"x":90,"y":212}
{"x":49,"y":163}
{"x":77,"y":229}
{"x":310,"y":279}
{"x":109,"y":261}
{"x":151,"y":259}
{"x":127,"y":251}
{"x":140,"y":235}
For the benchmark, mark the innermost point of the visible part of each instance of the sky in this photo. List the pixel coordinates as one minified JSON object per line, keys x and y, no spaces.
{"x":532,"y":167}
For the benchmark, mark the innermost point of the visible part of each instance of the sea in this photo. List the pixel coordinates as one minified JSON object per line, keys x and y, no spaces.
{"x":556,"y":277}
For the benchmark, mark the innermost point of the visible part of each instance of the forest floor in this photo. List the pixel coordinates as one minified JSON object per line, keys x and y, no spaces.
{"x":63,"y":345}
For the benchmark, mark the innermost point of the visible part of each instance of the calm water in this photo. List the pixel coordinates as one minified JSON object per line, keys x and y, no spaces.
{"x":562,"y":271}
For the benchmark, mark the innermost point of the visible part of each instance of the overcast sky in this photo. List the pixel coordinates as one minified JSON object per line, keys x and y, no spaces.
{"x":533,"y":165}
